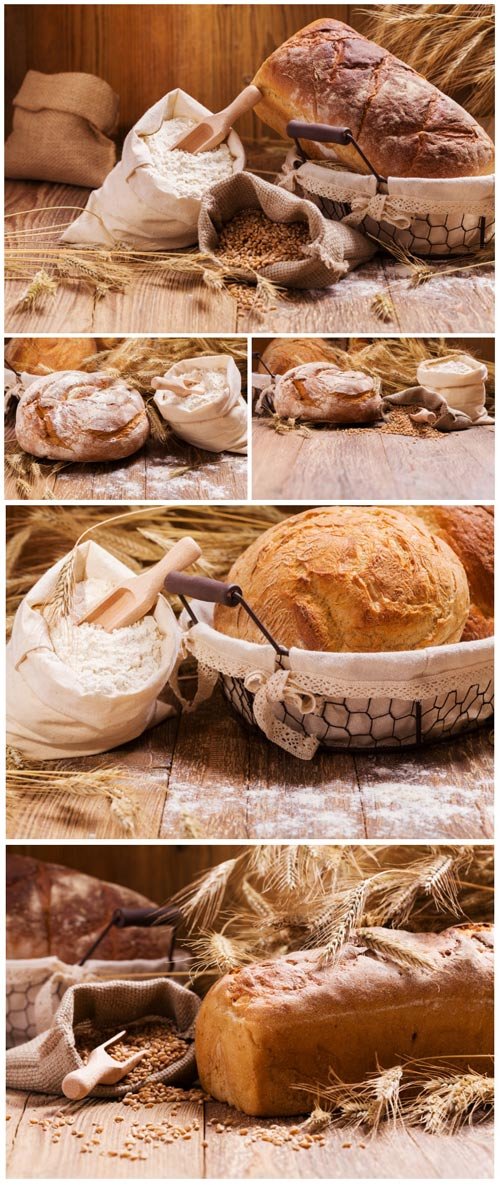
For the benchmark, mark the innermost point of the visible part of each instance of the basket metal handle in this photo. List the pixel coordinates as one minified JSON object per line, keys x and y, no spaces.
{"x":324,"y":133}
{"x":216,"y":592}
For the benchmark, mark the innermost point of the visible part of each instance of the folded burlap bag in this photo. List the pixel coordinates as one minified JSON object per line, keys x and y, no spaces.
{"x":332,"y":251}
{"x":42,"y":1063}
{"x":61,"y":129}
{"x":434,"y":410}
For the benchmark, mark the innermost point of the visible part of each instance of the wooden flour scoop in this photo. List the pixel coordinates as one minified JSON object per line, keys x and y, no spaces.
{"x":214,"y":129}
{"x":101,"y":1069}
{"x":132,"y":599}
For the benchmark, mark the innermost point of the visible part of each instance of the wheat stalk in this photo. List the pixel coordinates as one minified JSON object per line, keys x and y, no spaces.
{"x":105,"y":784}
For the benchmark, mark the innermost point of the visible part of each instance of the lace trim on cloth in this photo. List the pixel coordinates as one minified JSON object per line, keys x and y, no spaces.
{"x":397,"y":210}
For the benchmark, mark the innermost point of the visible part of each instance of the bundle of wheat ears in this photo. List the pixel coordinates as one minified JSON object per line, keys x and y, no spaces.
{"x":453,"y":45}
{"x":273,"y":899}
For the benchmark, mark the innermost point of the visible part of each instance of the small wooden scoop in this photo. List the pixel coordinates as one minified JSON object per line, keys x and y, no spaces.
{"x":100,"y":1069}
{"x":131,"y":600}
{"x":215,"y":128}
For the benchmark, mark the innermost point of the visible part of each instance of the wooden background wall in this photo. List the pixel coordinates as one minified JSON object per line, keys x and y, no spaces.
{"x":145,"y":50}
{"x":156,"y":870}
{"x":483,"y":347}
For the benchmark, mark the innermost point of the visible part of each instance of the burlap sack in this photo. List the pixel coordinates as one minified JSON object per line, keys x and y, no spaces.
{"x":217,"y":422}
{"x":42,"y":1063}
{"x":332,"y":251}
{"x":434,"y":410}
{"x":35,"y":987}
{"x":61,"y":129}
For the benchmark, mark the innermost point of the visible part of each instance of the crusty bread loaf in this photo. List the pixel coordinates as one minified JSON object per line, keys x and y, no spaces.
{"x":37,"y":355}
{"x":329,"y":73}
{"x":322,"y":391}
{"x":52,"y":910}
{"x":349,"y":578}
{"x":470,"y":532}
{"x":268,"y":1028}
{"x":282,"y":353}
{"x":74,"y":416}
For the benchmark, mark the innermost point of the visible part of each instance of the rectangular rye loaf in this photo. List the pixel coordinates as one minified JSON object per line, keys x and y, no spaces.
{"x":272,"y":1026}
{"x":329,"y":73}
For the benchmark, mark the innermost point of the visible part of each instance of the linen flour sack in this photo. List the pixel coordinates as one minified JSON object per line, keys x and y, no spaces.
{"x":150,"y":200}
{"x":71,"y":693}
{"x":201,"y":400}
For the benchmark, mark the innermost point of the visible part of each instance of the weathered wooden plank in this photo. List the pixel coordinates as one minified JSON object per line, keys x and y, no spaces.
{"x":302,"y":799}
{"x":460,"y":303}
{"x":34,"y":1152}
{"x":369,"y":464}
{"x":344,"y":308}
{"x":154,"y":304}
{"x":443,"y":790}
{"x":208,"y":783}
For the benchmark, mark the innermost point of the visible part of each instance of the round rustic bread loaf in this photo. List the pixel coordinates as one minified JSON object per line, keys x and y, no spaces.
{"x":470,"y":532}
{"x":53,"y":910}
{"x":322,"y":391}
{"x":350,"y":579}
{"x":284,"y":352}
{"x":73,"y":416}
{"x":36,"y":355}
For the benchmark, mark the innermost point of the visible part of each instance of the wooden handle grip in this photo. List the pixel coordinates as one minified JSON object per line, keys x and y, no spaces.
{"x":202,"y":588}
{"x":181,"y":555}
{"x":243,"y":102}
{"x":79,"y":1083}
{"x":321,"y":132}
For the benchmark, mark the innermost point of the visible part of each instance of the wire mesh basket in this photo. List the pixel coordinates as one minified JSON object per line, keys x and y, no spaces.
{"x":357,"y":702}
{"x":419,"y":216}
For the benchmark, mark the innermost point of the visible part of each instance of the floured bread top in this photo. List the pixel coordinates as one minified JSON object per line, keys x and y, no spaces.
{"x":324,"y":377}
{"x":105,"y":662}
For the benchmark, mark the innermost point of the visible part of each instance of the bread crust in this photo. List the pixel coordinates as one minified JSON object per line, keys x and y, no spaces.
{"x":36,"y":355}
{"x":352,"y":579}
{"x":329,"y":73}
{"x":53,"y":910}
{"x":470,"y":532}
{"x":74,"y":416}
{"x":324,"y":392}
{"x":267,"y":1028}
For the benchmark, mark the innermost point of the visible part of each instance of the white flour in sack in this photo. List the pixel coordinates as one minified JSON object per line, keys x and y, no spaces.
{"x":189,"y":174}
{"x":106,"y":662}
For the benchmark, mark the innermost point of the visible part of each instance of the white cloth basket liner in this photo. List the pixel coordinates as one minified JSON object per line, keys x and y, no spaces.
{"x":427,"y":216}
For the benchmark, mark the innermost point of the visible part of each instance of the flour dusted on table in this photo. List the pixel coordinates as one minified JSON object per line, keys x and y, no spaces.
{"x":106,"y":661}
{"x":189,"y":174}
{"x":152,"y":198}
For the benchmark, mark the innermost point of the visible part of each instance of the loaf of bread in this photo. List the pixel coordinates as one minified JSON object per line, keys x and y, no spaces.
{"x":52,"y":910}
{"x":329,"y":73}
{"x":349,"y":578}
{"x":37,"y":355}
{"x":470,"y":532}
{"x":283,"y":353}
{"x":322,"y":391}
{"x":271,"y":1027}
{"x":74,"y":416}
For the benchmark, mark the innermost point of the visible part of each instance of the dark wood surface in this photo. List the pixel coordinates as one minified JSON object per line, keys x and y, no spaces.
{"x":208,"y":776}
{"x":170,"y":471}
{"x":231,"y":1153}
{"x":370,"y":464}
{"x":461,"y":303}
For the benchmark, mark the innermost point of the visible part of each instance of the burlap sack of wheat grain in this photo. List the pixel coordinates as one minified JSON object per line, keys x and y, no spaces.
{"x":42,"y":1063}
{"x":35,"y":987}
{"x":332,"y":251}
{"x":216,"y":422}
{"x":137,"y":205}
{"x":49,"y":715}
{"x":61,"y":129}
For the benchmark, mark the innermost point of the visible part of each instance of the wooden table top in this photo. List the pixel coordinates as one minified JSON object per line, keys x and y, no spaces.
{"x":460,"y":303}
{"x":157,"y":472}
{"x":208,"y":1153}
{"x":207,"y":775}
{"x":370,"y":464}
